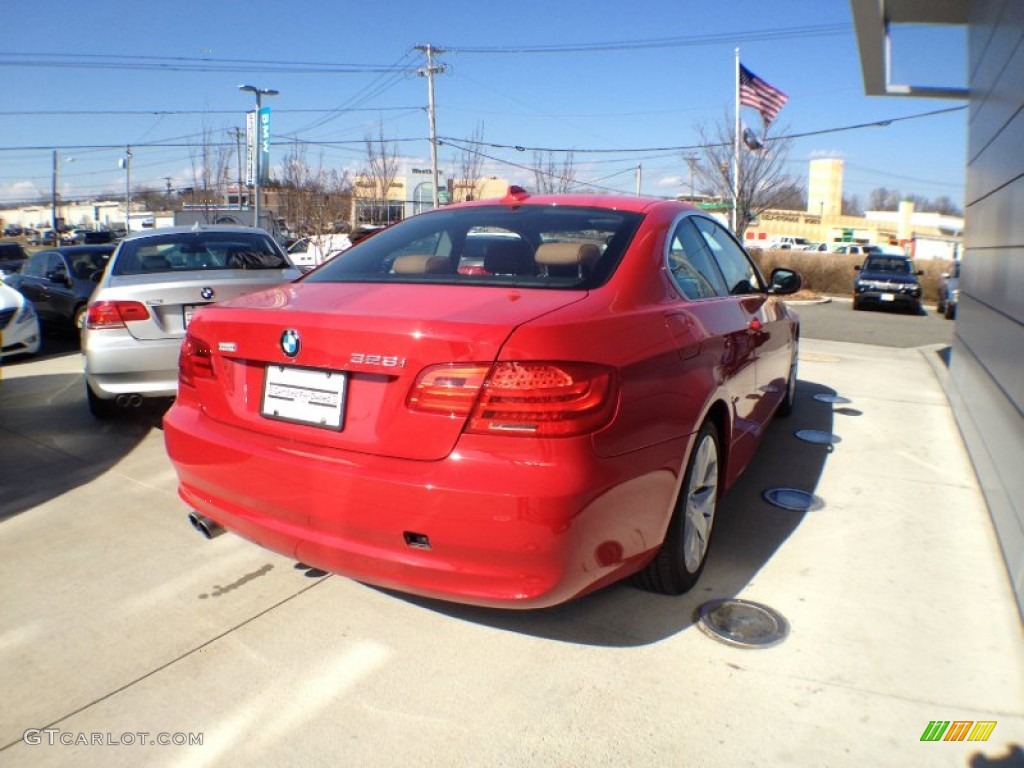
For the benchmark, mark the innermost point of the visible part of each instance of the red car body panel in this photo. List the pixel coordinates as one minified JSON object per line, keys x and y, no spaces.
{"x":511,"y":520}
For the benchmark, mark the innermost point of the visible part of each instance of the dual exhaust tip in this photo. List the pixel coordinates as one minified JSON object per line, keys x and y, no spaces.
{"x":128,"y":401}
{"x":211,"y":529}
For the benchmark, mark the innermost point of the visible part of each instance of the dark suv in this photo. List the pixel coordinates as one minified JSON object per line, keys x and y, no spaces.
{"x":12,"y":256}
{"x":888,"y":281}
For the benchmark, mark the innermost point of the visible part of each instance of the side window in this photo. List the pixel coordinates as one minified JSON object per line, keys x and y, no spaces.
{"x":691,"y":265}
{"x":36,"y":265}
{"x":740,"y":273}
{"x":55,"y":265}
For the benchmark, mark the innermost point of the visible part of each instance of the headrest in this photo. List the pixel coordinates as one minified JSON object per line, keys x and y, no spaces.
{"x":567,"y":254}
{"x":420,"y":264}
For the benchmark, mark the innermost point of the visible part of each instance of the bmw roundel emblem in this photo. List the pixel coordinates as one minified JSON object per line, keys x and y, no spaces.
{"x":290,"y":342}
{"x":207,"y":293}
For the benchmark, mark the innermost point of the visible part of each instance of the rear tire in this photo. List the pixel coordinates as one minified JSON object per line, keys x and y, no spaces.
{"x":98,"y":407}
{"x":680,"y":561}
{"x":786,"y":406}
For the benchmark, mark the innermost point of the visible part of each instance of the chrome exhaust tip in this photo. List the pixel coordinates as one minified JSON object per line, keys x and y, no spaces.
{"x":209,"y":528}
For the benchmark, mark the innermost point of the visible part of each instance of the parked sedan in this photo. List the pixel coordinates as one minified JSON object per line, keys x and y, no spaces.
{"x":509,"y":429}
{"x":949,"y":292}
{"x":156,"y":281}
{"x":887,"y":280}
{"x":19,"y":326}
{"x":59,"y":282}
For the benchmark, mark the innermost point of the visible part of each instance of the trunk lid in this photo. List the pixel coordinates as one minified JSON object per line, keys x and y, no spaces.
{"x":172,"y":298}
{"x":381,"y":337}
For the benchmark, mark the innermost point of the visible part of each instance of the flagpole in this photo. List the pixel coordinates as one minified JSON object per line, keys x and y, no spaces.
{"x":736,"y":149}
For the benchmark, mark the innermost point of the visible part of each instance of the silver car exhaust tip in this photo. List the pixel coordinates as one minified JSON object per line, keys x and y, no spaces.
{"x":128,"y":401}
{"x":209,"y":528}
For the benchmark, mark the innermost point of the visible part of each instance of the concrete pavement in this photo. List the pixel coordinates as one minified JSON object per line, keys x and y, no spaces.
{"x":118,"y":619}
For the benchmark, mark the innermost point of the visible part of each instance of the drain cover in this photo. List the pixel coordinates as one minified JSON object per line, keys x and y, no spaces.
{"x":742,"y":623}
{"x":818,"y":436}
{"x":839,"y":399}
{"x":793,"y":498}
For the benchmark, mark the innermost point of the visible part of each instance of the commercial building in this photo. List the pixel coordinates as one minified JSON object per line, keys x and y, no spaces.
{"x":986,"y":369}
{"x":922,"y":234}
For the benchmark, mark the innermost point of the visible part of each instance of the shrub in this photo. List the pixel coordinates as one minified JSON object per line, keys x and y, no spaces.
{"x":832,"y":274}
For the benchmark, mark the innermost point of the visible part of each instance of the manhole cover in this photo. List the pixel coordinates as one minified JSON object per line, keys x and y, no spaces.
{"x":818,"y":436}
{"x":793,"y":498}
{"x":742,"y":623}
{"x":838,"y":399}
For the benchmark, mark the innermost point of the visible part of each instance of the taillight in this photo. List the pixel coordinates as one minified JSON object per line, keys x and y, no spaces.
{"x":195,"y":361}
{"x":536,"y":399}
{"x":114,"y":314}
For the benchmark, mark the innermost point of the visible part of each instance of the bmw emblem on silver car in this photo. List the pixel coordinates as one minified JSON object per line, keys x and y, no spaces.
{"x":290,"y":342}
{"x":207,"y":293}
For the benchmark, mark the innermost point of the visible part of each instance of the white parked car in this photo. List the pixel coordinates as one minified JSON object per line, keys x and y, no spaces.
{"x":154,"y":283}
{"x":19,"y":326}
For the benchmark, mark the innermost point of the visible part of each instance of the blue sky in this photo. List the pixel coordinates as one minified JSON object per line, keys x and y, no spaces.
{"x":611,"y":97}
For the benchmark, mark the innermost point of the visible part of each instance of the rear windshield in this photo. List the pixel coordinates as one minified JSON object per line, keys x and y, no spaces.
{"x":528,"y":246}
{"x":191,"y":251}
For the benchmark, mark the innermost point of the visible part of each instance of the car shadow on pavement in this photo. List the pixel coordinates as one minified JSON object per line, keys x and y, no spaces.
{"x":747,"y":533}
{"x":49,"y":442}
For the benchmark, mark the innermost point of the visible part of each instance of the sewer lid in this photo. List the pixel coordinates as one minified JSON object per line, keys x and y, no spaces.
{"x":793,"y":498}
{"x":818,"y":436}
{"x":839,"y":399}
{"x":742,"y":623}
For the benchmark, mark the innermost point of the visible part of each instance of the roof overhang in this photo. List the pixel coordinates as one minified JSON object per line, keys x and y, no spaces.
{"x":872,"y":20}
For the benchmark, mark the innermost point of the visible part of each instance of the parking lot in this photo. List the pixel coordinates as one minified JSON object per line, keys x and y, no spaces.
{"x":121,"y":620}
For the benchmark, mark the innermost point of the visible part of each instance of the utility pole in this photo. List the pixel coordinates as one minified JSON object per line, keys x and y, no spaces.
{"x":691,"y":160}
{"x":238,"y":154}
{"x":54,"y":197}
{"x":429,"y":71}
{"x":127,"y":188}
{"x":639,"y":177}
{"x":167,"y":202}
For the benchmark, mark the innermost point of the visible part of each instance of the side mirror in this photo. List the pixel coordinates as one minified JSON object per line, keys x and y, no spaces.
{"x":784,"y":282}
{"x":58,"y":277}
{"x":856,"y":267}
{"x":919,"y":272}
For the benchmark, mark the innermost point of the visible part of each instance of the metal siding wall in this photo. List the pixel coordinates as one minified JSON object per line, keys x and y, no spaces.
{"x":987,"y":368}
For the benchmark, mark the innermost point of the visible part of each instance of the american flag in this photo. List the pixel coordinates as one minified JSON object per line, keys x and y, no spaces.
{"x":756,"y":93}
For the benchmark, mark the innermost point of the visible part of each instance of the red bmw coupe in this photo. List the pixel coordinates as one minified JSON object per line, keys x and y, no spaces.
{"x":507,"y":403}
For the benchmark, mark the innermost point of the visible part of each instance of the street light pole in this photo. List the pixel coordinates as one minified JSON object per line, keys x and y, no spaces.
{"x":260,"y":93}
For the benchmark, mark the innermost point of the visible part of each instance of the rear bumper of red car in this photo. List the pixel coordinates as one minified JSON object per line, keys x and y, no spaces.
{"x":531,"y":525}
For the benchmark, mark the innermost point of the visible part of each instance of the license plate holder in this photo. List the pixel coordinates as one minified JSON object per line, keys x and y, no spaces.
{"x":188,"y":311}
{"x":308,"y":396}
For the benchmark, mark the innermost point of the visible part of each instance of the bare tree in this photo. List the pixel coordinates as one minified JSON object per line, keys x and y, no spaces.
{"x":313,"y":200}
{"x":376,"y":179}
{"x":210,"y":171}
{"x":466,"y":179}
{"x":763,"y":183}
{"x":552,"y":177}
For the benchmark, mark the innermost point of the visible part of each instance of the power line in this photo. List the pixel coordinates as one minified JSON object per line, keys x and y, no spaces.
{"x":683,"y":147}
{"x":165,"y":112}
{"x":723,"y":38}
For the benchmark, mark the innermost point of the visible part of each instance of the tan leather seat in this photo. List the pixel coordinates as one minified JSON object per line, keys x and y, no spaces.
{"x":567,"y":259}
{"x":420,"y":264}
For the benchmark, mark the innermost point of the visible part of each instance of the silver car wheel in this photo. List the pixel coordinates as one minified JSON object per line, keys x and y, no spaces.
{"x":701,"y":500}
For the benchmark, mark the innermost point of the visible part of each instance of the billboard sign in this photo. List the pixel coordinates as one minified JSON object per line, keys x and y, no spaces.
{"x":264,"y":132}
{"x":250,"y":148}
